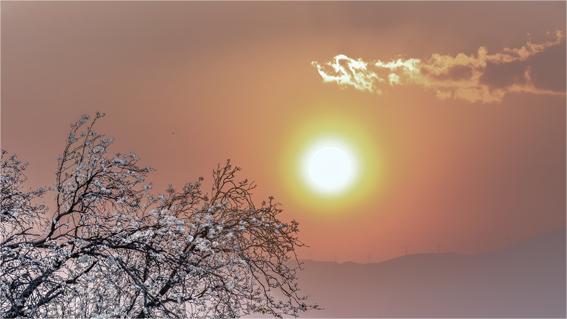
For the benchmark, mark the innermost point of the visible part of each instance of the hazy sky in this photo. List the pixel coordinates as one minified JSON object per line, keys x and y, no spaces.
{"x":187,"y":85}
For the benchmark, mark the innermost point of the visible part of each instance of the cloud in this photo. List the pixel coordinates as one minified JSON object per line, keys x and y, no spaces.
{"x":536,"y":68}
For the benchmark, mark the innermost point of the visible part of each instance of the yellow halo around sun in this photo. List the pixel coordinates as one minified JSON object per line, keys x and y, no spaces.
{"x":330,"y":163}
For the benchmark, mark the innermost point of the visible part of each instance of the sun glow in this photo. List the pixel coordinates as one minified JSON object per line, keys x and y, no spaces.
{"x":330,"y":163}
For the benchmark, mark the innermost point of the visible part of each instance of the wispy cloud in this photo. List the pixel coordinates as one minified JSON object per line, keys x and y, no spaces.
{"x":537,"y":68}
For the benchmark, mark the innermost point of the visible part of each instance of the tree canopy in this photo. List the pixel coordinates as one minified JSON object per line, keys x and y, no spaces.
{"x":112,"y":247}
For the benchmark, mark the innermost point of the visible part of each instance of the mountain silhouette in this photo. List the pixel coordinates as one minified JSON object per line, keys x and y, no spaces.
{"x":526,"y":279}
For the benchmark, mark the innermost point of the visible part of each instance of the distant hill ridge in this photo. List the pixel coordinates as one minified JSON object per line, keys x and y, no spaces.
{"x":526,"y":279}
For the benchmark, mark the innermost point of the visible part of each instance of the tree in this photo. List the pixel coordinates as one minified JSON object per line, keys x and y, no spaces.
{"x":113,"y":248}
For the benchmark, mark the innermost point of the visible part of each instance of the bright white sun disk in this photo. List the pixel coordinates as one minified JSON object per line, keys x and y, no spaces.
{"x":329,"y":166}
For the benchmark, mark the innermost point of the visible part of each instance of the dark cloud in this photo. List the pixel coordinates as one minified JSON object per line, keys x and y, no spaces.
{"x":455,"y":73}
{"x":502,"y":75}
{"x":544,"y":70}
{"x":548,"y":69}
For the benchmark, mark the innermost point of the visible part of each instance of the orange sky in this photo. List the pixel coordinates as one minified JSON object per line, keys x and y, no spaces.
{"x":187,"y":85}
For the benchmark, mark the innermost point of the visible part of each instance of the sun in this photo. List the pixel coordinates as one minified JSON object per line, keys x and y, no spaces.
{"x":329,"y":166}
